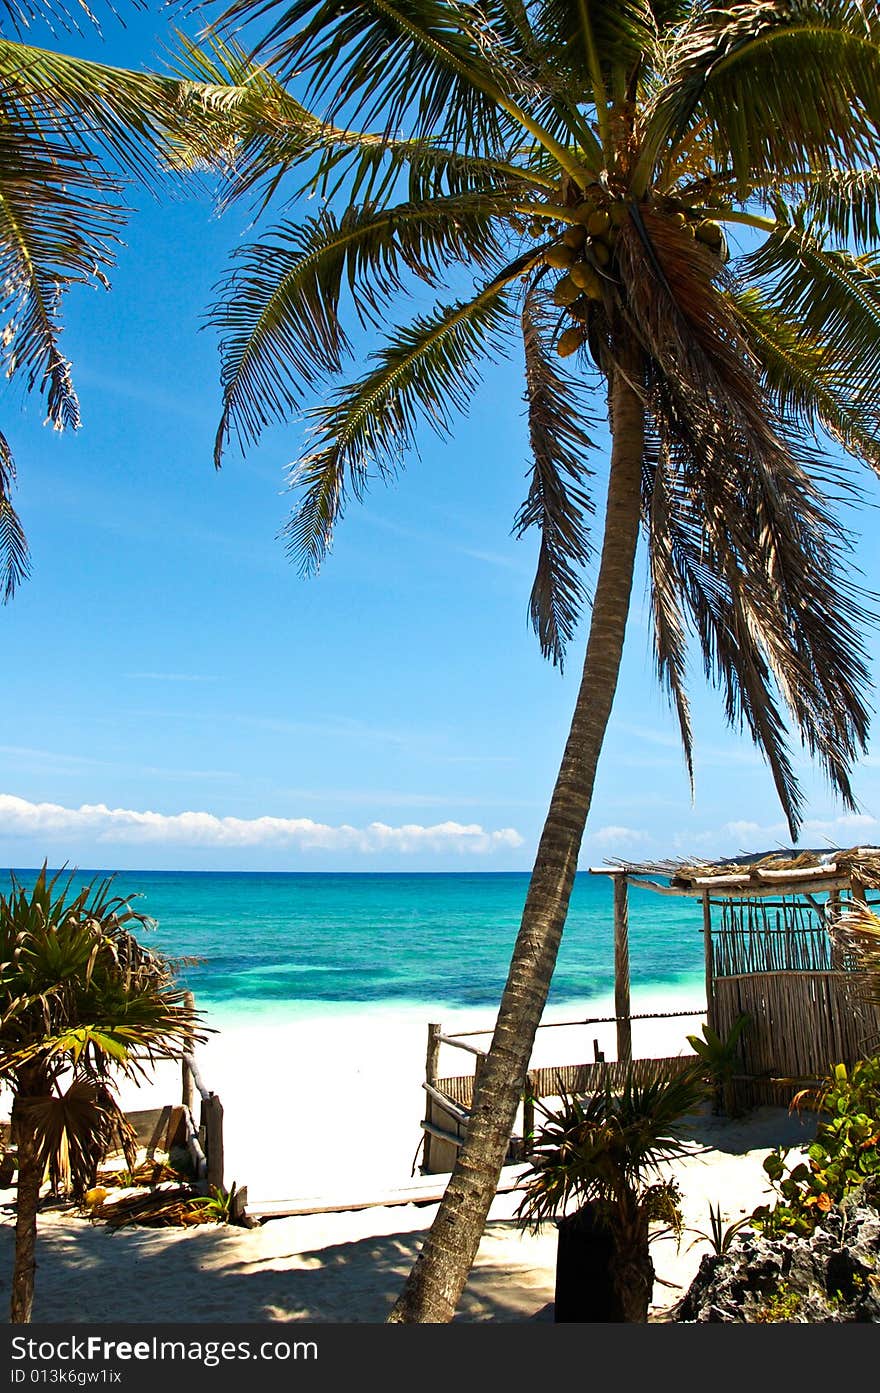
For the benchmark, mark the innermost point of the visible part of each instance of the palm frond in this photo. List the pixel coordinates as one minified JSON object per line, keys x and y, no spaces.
{"x":557,"y":503}
{"x":416,"y":64}
{"x":846,"y":204}
{"x":261,"y":133}
{"x":427,"y":371}
{"x":669,"y":623}
{"x":14,"y":555}
{"x":278,"y":309}
{"x":786,"y":85}
{"x":54,"y":14}
{"x":58,"y":226}
{"x":74,"y":1129}
{"x":807,"y":382}
{"x":94,"y":107}
{"x":584,"y":36}
{"x":755,"y":553}
{"x":833,"y":295}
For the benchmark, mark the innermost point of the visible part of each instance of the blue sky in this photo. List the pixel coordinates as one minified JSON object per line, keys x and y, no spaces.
{"x":177,"y":696}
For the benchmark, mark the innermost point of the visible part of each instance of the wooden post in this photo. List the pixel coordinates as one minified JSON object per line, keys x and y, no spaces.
{"x":187,"y":1095}
{"x":432,"y":1060}
{"x":832,"y":914}
{"x":478,"y":1069}
{"x":528,"y":1117}
{"x":707,"y":955}
{"x":212,"y":1123}
{"x":857,"y":891}
{"x":621,"y":970}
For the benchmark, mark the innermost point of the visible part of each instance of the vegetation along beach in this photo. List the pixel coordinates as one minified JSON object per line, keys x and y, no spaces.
{"x":484,"y":925}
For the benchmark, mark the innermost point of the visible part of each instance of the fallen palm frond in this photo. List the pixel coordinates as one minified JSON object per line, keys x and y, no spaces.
{"x":171,"y":1208}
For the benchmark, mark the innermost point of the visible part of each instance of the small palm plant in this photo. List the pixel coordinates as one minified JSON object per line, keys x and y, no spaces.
{"x":81,"y":1003}
{"x":595,"y":1169}
{"x":720,"y":1060}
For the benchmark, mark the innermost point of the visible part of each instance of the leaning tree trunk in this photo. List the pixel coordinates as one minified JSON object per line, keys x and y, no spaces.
{"x":30,"y":1177}
{"x":435,"y":1283}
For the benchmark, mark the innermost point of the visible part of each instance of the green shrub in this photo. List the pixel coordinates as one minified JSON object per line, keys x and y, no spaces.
{"x":845,"y":1153}
{"x":782,"y":1305}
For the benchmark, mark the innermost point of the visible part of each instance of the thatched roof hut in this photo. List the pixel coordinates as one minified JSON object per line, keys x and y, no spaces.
{"x":769,"y":954}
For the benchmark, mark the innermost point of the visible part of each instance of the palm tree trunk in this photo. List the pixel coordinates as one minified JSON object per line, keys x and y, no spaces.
{"x":436,"y":1281}
{"x":27,"y":1200}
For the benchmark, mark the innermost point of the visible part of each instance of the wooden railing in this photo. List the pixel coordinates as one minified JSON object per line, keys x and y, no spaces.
{"x":448,"y":1099}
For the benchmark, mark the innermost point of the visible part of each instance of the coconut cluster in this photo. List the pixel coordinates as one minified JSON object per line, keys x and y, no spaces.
{"x":585,"y":252}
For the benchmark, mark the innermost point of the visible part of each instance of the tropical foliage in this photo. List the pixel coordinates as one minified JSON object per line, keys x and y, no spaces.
{"x":605,"y":1153}
{"x":668,"y":209}
{"x":844,"y":1156}
{"x":82,"y":1004}
{"x":73,"y":135}
{"x":720,"y":1060}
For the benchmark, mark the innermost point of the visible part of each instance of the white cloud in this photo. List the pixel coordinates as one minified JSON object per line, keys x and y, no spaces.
{"x":18,"y":817}
{"x":618,"y":836}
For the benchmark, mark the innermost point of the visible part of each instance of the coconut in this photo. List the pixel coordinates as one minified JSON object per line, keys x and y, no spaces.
{"x":710,"y":233}
{"x":580,"y":309}
{"x":575,"y":236}
{"x":618,"y":214}
{"x":600,"y":252}
{"x":559,"y":256}
{"x":689,"y":229}
{"x":565,"y":291}
{"x":569,"y":342}
{"x":678,"y":219}
{"x":584,"y":211}
{"x":598,"y":222}
{"x":537,"y":229}
{"x":585,"y":278}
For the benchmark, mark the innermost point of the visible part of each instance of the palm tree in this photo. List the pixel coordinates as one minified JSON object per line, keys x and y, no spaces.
{"x":596,"y":1169}
{"x":81,"y":1004}
{"x":73,"y":133}
{"x":586,"y":164}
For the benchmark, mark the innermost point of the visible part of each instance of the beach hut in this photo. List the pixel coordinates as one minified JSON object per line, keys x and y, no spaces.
{"x":769,"y":954}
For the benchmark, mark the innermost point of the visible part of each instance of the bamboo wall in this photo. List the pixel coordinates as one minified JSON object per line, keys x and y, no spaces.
{"x":776,"y":962}
{"x":577,"y":1078}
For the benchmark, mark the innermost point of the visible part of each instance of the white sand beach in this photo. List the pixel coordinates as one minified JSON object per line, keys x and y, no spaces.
{"x":328,"y":1107}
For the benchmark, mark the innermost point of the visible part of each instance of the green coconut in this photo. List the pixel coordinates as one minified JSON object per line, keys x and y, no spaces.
{"x":598,"y":222}
{"x":565,"y":291}
{"x":559,"y":256}
{"x":575,"y":236}
{"x":678,"y":219}
{"x":600,"y":252}
{"x":584,"y":211}
{"x":569,"y":342}
{"x":618,"y":214}
{"x":709,"y":232}
{"x":585,"y":278}
{"x":580,"y":309}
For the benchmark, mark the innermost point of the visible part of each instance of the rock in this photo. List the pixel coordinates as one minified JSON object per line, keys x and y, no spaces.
{"x":833,"y":1275}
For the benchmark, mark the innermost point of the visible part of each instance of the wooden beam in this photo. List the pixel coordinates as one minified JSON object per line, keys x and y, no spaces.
{"x":621,"y":971}
{"x":800,"y":873}
{"x":707,"y":957}
{"x":212,"y":1123}
{"x":187,"y":1088}
{"x":432,"y":1060}
{"x":459,"y":1045}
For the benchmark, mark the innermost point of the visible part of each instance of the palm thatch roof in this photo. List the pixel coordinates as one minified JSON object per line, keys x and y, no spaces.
{"x":780,"y":870}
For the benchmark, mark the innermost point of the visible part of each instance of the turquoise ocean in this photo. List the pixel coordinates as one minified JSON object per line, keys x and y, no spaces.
{"x":273,"y":946}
